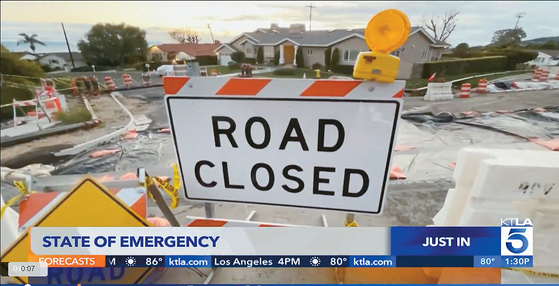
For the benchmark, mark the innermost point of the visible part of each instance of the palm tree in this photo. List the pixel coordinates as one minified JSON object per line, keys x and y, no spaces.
{"x":31,"y":40}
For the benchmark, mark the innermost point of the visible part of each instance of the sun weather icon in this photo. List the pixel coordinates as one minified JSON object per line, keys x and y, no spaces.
{"x":315,"y":261}
{"x":130,"y":261}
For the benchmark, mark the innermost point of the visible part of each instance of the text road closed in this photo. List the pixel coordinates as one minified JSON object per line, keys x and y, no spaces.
{"x":313,"y":153}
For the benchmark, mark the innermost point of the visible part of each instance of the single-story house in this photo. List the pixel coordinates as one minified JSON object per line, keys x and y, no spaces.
{"x":56,"y":60}
{"x":546,"y":58}
{"x":170,"y":52}
{"x":420,"y":46}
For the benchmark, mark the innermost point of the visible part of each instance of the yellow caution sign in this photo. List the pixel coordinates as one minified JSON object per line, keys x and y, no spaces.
{"x":386,"y":32}
{"x":23,"y":192}
{"x":88,"y":204}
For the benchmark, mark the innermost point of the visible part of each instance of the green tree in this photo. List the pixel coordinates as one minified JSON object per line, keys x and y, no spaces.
{"x":238,"y":57}
{"x":335,"y":62}
{"x":461,"y":51}
{"x":508,"y":37}
{"x":31,"y":40}
{"x":109,"y":44}
{"x":260,"y":55}
{"x":300,"y":58}
{"x":327,"y":58}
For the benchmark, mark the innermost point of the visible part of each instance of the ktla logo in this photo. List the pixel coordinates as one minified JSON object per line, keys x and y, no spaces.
{"x":517,"y":237}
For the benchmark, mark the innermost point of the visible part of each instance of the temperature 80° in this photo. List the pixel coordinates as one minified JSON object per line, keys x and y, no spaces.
{"x":338,"y":261}
{"x":487,"y":261}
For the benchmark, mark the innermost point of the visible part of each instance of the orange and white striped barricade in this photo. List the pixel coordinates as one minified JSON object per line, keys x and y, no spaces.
{"x":537,"y":75}
{"x":557,"y":76}
{"x":127,"y":80}
{"x":109,"y":82}
{"x":26,"y":103}
{"x":94,"y":85}
{"x":33,"y":207}
{"x":465,"y":90}
{"x":73,"y":86}
{"x":482,"y":85}
{"x":214,"y":222}
{"x":146,"y":79}
{"x":262,"y":107}
{"x":214,"y":72}
{"x":544,"y":75}
{"x":80,"y":84}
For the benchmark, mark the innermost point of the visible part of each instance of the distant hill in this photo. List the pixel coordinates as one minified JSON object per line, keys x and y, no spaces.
{"x":542,"y":40}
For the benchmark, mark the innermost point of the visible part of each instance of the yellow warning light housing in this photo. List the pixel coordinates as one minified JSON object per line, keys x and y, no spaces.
{"x":386,"y":31}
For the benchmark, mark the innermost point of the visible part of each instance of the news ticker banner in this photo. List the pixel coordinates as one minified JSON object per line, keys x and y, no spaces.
{"x":286,"y":284}
{"x":283,"y":246}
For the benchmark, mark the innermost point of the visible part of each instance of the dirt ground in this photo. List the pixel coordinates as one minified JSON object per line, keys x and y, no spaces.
{"x":106,"y":109}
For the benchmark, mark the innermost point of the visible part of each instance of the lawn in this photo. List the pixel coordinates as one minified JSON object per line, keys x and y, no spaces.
{"x":222,"y":69}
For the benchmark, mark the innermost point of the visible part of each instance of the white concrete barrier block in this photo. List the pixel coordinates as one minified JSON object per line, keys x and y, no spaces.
{"x":518,"y":178}
{"x":441,"y":217}
{"x":9,"y":226}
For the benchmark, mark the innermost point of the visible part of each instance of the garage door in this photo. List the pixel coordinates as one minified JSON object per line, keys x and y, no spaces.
{"x":224,"y":59}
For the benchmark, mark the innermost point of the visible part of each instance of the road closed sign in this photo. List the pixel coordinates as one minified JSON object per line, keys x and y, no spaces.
{"x":279,"y":147}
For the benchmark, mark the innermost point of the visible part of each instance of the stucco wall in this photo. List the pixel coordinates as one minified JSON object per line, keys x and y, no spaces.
{"x":354,"y":43}
{"x":316,"y":56}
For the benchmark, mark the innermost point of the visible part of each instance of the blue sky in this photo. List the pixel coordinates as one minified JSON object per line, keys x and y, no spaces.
{"x":476,"y":24}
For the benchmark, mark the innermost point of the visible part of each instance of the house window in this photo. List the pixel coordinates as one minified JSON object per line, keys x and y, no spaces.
{"x":249,"y":50}
{"x":350,"y":55}
{"x":309,"y":52}
{"x":424,"y":56}
{"x":268,"y":51}
{"x":54,"y":61}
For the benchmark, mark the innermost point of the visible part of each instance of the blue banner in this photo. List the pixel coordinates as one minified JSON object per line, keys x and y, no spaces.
{"x":450,"y":241}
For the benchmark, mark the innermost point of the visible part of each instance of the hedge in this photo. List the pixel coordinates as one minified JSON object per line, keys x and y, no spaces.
{"x":463,"y":66}
{"x":343,"y":69}
{"x":284,"y":72}
{"x":8,"y":94}
{"x":202,"y":61}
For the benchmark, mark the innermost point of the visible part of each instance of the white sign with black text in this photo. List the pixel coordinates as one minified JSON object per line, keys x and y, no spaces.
{"x":319,"y":153}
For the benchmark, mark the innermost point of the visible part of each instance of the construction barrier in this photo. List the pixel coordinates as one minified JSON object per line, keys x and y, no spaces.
{"x":557,"y":76}
{"x":94,"y":85}
{"x":179,"y":70}
{"x":537,"y":75}
{"x":127,"y":80}
{"x":211,"y":222}
{"x":465,"y":90}
{"x":493,"y":184}
{"x":214,"y":72}
{"x":110,"y":83}
{"x":482,"y":85}
{"x":544,"y":75}
{"x":146,"y":79}
{"x":74,"y":87}
{"x":439,"y":91}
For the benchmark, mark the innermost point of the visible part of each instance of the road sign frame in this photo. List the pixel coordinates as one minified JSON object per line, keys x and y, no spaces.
{"x":77,"y":187}
{"x":395,"y":101}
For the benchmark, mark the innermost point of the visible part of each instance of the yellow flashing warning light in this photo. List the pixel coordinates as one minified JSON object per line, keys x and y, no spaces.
{"x":386,"y":31}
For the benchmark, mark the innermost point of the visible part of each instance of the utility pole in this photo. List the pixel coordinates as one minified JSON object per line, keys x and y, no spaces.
{"x":310,"y":15}
{"x":213,"y":40}
{"x":68,"y":45}
{"x":519,"y":15}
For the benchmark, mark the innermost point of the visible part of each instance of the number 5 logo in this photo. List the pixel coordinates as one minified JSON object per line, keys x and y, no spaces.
{"x":516,"y":234}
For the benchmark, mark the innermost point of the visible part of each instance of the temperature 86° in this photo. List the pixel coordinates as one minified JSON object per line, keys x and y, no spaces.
{"x":153,"y":261}
{"x":339,"y":262}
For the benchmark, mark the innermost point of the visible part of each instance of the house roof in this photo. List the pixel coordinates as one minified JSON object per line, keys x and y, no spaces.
{"x":63,"y":55}
{"x":317,"y":37}
{"x":551,"y":53}
{"x":194,"y":50}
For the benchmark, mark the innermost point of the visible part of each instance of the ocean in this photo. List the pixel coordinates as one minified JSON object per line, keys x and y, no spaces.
{"x":51,"y":47}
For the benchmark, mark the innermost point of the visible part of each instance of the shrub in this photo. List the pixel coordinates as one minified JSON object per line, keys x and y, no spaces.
{"x":251,"y":61}
{"x":463,"y":66}
{"x":74,"y":115}
{"x":206,"y":60}
{"x":343,"y":69}
{"x":46,"y":68}
{"x":284,"y":72}
{"x":10,"y":64}
{"x":238,"y":57}
{"x":276,"y":58}
{"x":260,"y":55}
{"x":327,"y":58}
{"x":300,"y":58}
{"x":8,"y":95}
{"x":335,"y":61}
{"x":316,"y":66}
